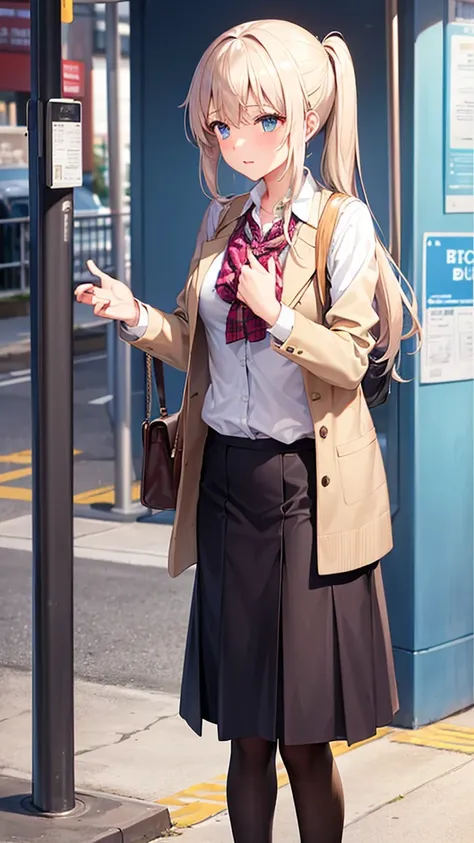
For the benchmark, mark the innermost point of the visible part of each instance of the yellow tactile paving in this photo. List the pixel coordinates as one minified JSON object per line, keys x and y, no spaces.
{"x":202,"y":801}
{"x":444,"y":735}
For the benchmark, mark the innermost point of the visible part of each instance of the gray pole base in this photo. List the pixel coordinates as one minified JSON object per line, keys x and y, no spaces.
{"x":97,"y":818}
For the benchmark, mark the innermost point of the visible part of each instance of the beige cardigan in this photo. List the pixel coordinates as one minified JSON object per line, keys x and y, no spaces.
{"x":353,"y":510}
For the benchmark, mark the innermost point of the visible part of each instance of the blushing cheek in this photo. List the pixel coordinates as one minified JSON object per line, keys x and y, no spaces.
{"x":265,"y":146}
{"x":271,"y":147}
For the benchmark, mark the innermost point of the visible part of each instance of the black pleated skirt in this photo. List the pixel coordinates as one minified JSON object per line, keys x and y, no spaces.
{"x":274,"y":650}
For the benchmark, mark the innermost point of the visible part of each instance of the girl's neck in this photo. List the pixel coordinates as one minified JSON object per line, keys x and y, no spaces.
{"x":276,"y":188}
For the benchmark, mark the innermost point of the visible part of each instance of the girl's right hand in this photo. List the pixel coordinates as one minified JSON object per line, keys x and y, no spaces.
{"x":112,"y":300}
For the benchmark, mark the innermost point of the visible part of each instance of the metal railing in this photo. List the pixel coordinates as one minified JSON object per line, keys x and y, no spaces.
{"x":92,"y":239}
{"x":14,"y":256}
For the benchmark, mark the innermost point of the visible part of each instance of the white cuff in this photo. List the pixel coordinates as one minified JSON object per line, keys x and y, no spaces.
{"x":136,"y":333}
{"x":284,"y":324}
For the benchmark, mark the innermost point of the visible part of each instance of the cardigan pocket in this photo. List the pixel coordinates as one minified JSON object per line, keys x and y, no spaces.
{"x":361,"y":467}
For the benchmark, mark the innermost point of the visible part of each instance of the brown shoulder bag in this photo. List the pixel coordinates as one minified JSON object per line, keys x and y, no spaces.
{"x":162,"y":447}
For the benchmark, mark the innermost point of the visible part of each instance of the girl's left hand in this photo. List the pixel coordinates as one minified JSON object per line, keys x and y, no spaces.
{"x":257,"y":289}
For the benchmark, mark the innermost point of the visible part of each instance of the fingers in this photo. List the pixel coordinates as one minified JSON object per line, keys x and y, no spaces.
{"x":82,"y":290}
{"x":253,"y":262}
{"x":105,"y":279}
{"x":91,"y":294}
{"x":100,"y":308}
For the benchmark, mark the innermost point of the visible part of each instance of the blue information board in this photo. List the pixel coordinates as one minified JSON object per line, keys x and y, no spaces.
{"x":448,"y":315}
{"x":459,"y":108}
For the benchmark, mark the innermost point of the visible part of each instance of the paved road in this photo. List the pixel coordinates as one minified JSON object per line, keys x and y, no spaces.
{"x":130,"y":621}
{"x":93,"y":467}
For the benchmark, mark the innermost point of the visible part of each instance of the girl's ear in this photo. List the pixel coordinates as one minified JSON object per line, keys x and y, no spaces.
{"x":311,"y":125}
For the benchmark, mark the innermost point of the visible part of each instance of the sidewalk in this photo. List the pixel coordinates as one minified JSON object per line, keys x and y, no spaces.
{"x":15,"y":336}
{"x":414,"y":787}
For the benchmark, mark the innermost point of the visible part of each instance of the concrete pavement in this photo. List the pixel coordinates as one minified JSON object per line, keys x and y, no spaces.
{"x":108,"y":541}
{"x":405,"y":786}
{"x":133,"y":743}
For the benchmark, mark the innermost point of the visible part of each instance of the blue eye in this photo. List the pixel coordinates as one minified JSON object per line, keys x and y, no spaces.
{"x":223,"y":130}
{"x":269,"y":124}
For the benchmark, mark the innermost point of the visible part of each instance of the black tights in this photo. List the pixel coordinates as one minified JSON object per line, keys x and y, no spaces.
{"x":252,"y":791}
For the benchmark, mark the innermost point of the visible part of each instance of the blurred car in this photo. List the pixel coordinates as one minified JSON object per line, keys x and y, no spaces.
{"x":92,"y":224}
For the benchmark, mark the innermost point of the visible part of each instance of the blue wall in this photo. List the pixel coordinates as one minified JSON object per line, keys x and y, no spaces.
{"x":430,"y":588}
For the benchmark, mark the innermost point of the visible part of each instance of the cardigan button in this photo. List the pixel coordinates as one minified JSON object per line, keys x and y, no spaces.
{"x":325,"y":481}
{"x":323,"y":432}
{"x":315,"y":396}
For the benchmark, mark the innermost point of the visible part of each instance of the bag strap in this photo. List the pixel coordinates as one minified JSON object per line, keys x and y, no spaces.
{"x":157,"y":365}
{"x":324,"y":234}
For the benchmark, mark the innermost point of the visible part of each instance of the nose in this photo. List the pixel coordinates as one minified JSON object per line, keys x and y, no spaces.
{"x":239,"y":143}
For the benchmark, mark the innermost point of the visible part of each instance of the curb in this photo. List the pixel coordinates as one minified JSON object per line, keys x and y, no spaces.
{"x":85,"y":341}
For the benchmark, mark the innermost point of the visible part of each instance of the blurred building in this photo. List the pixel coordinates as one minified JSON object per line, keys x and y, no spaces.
{"x":100,"y":86}
{"x":84,"y":78}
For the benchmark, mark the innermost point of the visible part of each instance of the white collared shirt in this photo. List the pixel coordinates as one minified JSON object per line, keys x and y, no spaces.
{"x":254,"y":391}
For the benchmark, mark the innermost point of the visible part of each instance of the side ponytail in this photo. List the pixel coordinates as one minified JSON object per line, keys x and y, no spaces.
{"x":340,"y":165}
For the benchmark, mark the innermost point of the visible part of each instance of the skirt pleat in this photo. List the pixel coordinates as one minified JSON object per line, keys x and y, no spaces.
{"x":274,"y":649}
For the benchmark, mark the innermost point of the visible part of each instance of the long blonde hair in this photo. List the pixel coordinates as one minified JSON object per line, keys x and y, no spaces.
{"x":283,"y":66}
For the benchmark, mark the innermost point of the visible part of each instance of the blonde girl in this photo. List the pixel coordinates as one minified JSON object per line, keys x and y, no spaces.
{"x":283,"y":500}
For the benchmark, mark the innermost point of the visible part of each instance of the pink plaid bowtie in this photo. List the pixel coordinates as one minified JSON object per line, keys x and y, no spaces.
{"x":241,"y":321}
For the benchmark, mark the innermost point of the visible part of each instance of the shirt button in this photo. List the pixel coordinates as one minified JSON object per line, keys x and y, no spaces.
{"x":244,"y":398}
{"x":323,"y":432}
{"x":315,"y":396}
{"x":325,"y":481}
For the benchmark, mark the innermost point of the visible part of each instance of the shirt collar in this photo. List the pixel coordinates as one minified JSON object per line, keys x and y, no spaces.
{"x":302,"y":203}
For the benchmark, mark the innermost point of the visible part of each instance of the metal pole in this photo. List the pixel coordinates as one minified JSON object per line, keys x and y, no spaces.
{"x":393,"y":82}
{"x":51,"y":213}
{"x":122,"y":356}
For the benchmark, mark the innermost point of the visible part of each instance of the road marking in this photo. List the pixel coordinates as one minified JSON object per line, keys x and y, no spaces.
{"x":15,"y":475}
{"x":18,"y":493}
{"x":105,"y":494}
{"x":24,"y":457}
{"x":102,"y":494}
{"x":205,"y":800}
{"x":105,"y":399}
{"x":24,"y":375}
{"x":440,"y":736}
{"x":15,"y":493}
{"x":19,"y":457}
{"x":14,"y":381}
{"x":91,"y":358}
